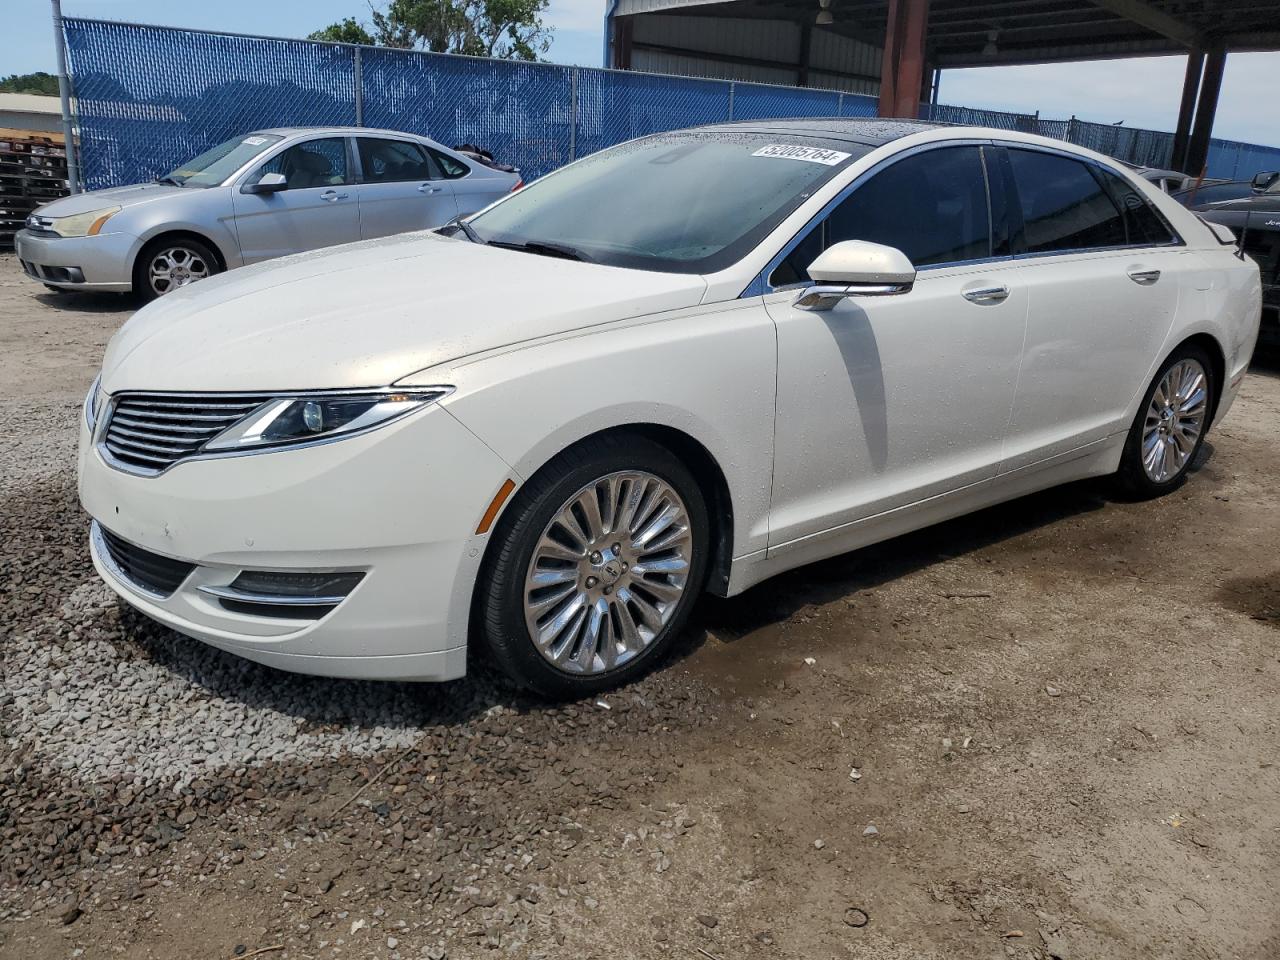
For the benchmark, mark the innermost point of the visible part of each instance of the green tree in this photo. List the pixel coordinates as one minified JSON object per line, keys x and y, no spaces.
{"x":349,"y":30}
{"x":509,"y":29}
{"x":43,"y":83}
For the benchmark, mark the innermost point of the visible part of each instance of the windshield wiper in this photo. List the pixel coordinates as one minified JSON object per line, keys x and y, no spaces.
{"x":545,"y":248}
{"x":168,"y":179}
{"x":465,"y":227}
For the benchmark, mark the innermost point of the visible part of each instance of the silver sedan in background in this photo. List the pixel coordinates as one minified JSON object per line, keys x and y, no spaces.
{"x":254,"y":197}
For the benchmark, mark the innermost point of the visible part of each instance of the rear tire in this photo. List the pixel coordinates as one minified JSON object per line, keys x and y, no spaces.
{"x":1170,"y":426}
{"x":574,"y":599}
{"x":169,"y":263}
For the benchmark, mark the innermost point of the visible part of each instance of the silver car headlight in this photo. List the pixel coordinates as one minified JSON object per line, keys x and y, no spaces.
{"x":82,"y":224}
{"x":91,"y":401}
{"x":311,"y":417}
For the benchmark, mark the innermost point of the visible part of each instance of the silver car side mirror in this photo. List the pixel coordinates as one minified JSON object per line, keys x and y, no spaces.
{"x":268,"y":183}
{"x":856,"y":268}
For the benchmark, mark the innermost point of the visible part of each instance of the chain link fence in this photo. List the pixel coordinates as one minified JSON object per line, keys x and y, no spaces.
{"x":149,"y":98}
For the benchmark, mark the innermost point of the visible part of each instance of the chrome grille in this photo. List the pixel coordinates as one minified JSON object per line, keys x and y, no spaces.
{"x":149,"y":432}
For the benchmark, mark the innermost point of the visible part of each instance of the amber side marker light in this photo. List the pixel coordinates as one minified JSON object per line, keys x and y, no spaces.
{"x":487,"y":520}
{"x":98,"y":224}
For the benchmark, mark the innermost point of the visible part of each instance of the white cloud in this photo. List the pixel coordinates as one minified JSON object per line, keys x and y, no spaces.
{"x":585,"y":15}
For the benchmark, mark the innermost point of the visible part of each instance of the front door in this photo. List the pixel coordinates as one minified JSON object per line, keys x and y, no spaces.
{"x":317,"y":208}
{"x":399,"y":191}
{"x":886,"y":401}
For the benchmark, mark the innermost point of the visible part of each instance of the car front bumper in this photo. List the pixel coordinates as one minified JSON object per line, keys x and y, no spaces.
{"x":399,"y":504}
{"x":101,"y":263}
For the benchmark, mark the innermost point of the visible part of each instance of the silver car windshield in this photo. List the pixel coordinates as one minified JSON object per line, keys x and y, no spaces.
{"x":213,"y":166}
{"x":679,"y":203}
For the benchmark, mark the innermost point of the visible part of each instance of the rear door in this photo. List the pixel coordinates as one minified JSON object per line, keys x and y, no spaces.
{"x":1103,"y":272}
{"x":400,"y":188}
{"x":316,"y":209}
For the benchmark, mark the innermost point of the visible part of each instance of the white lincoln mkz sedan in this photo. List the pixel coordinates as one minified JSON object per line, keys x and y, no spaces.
{"x":685,"y":363}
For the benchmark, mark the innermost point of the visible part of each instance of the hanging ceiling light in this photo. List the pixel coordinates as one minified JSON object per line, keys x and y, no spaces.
{"x":990,"y":50}
{"x":824,"y":17}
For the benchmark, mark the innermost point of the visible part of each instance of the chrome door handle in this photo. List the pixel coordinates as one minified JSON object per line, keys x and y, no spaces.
{"x":1144,"y":277}
{"x":333,"y":196}
{"x":428,"y":188}
{"x":986,"y":294}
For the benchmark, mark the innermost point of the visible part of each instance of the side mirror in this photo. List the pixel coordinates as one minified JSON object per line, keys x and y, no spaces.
{"x":856,"y":268}
{"x":1261,"y":181}
{"x":269,"y":183}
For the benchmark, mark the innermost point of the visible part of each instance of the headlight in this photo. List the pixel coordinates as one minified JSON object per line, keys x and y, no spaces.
{"x":82,"y":224}
{"x":321,"y":416}
{"x":91,"y":403}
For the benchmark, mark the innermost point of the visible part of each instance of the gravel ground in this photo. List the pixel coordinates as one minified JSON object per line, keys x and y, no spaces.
{"x":1048,"y":730}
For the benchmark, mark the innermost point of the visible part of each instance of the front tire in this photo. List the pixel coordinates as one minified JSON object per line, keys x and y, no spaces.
{"x":595,"y":568}
{"x":1170,"y":426}
{"x":168,"y":263}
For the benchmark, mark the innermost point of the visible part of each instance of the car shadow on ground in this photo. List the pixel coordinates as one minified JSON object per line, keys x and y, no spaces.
{"x":89,"y":302}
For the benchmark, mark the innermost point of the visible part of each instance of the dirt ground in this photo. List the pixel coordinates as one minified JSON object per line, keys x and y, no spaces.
{"x":1063,"y":712}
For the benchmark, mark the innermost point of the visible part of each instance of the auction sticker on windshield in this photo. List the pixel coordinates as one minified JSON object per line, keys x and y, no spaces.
{"x":788,"y":151}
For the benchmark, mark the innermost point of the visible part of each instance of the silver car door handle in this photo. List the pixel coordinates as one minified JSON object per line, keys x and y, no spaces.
{"x":1144,"y":277}
{"x":428,"y":188}
{"x":333,"y":196}
{"x":986,"y":294}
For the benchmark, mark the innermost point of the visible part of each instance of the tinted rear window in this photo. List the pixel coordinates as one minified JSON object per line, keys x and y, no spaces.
{"x":1064,"y":206}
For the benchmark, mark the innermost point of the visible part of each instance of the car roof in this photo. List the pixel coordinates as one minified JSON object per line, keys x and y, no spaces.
{"x":867,"y":131}
{"x":337,"y":131}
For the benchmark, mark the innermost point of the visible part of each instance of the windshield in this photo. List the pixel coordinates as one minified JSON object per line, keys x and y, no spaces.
{"x":678,"y":202}
{"x":216,"y":164}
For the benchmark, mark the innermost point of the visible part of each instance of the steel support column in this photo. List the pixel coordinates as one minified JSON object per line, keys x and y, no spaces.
{"x":1187,"y":109}
{"x":902,"y":69}
{"x":1206,"y":109}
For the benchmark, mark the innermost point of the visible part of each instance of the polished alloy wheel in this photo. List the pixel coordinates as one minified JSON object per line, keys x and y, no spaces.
{"x":175,"y":267}
{"x":1175,"y":419}
{"x":608,"y":572}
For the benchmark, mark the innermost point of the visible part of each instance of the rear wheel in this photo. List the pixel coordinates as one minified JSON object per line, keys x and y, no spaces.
{"x":169,"y":263}
{"x":595,"y":569}
{"x":1170,"y":426}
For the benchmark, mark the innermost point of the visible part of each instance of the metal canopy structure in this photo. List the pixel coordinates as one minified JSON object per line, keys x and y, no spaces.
{"x":893,"y":47}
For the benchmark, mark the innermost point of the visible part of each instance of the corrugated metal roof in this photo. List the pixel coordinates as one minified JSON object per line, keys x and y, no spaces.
{"x":626,"y":8}
{"x":30,"y":103}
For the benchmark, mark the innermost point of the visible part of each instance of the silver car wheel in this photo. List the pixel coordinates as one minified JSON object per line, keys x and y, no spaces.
{"x":608,"y":572}
{"x":175,"y":267}
{"x":1175,"y":419}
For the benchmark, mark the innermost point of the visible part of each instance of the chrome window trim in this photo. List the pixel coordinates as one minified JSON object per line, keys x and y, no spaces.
{"x":108,"y":411}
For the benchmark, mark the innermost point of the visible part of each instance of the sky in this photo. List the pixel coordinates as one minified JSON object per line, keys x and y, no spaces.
{"x":1140,"y":92}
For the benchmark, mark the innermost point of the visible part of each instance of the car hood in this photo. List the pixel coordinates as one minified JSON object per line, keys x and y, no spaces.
{"x":114,"y":197}
{"x":371,"y":313}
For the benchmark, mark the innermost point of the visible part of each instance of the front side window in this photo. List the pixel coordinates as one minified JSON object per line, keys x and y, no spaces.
{"x":676,"y":202}
{"x":315,"y":163}
{"x":1064,"y":206}
{"x":931,"y":205}
{"x":1143,"y":224}
{"x":391,"y":161}
{"x":213,"y":166}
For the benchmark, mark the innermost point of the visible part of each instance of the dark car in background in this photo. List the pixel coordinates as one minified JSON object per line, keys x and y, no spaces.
{"x":1254,"y":217}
